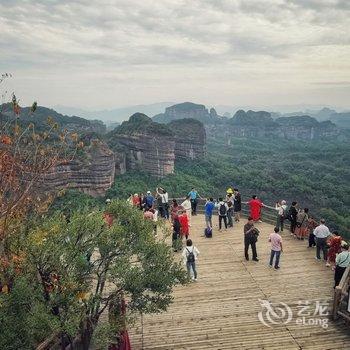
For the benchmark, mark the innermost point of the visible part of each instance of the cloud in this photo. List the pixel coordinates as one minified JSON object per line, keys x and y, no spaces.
{"x":122,"y":46}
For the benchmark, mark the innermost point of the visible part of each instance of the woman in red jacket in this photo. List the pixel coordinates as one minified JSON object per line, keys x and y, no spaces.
{"x":185,"y":229}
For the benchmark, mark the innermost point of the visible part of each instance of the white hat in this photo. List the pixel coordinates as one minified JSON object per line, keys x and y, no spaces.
{"x":135,"y":194}
{"x":148,"y":192}
{"x":108,"y":200}
{"x":283,"y":202}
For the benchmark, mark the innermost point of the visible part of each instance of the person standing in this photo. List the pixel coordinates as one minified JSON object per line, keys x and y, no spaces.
{"x":342,"y":262}
{"x":183,"y":219}
{"x":311,"y":225}
{"x":237,"y":205}
{"x":276,"y":247}
{"x":162,"y":197}
{"x":230,"y":214}
{"x":250,"y":239}
{"x":334,"y":244}
{"x":177,"y":244}
{"x":293,"y":213}
{"x":193,"y":194}
{"x":281,"y":208}
{"x":186,"y":204}
{"x":222,"y":211}
{"x":148,"y":200}
{"x":190,"y":256}
{"x":301,"y":227}
{"x":209,"y":207}
{"x":255,"y":206}
{"x":321,"y":233}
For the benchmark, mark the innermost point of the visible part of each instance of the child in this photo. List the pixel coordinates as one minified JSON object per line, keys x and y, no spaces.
{"x":276,"y":247}
{"x":190,"y":255}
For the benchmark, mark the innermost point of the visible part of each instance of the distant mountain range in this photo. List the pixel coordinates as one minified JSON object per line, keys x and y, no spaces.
{"x":115,"y":115}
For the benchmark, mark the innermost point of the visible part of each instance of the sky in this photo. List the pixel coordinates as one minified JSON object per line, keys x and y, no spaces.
{"x":112,"y":53}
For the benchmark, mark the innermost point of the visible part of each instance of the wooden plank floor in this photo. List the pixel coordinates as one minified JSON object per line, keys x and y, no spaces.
{"x":220,"y":310}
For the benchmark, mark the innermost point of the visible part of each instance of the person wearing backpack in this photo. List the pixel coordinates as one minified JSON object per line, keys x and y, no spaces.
{"x":190,"y":255}
{"x":222,"y":211}
{"x":282,"y":214}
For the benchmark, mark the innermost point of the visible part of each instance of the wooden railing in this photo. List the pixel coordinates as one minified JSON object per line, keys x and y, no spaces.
{"x":341,"y":298}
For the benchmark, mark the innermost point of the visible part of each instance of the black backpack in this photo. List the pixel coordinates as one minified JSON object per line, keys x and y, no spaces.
{"x":222,"y":210}
{"x":190,"y":257}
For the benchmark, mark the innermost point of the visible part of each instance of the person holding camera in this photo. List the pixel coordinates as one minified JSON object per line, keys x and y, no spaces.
{"x":251,"y":234}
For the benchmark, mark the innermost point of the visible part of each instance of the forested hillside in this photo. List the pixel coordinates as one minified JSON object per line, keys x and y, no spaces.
{"x":316,"y":174}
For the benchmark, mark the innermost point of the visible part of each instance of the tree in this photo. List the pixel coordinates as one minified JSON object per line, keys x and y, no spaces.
{"x":26,"y":155}
{"x":85,"y":267}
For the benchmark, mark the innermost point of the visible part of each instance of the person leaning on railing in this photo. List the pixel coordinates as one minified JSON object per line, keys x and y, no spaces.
{"x":342,"y":262}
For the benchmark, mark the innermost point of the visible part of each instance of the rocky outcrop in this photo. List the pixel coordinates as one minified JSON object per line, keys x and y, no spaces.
{"x":92,"y":173}
{"x":190,"y":138}
{"x":70,"y":123}
{"x":147,"y":145}
{"x":187,"y":110}
{"x":261,"y":125}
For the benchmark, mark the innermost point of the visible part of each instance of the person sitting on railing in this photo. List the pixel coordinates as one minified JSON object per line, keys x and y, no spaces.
{"x":342,"y":262}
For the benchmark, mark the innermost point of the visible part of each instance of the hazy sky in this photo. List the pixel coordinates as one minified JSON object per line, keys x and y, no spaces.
{"x":103,"y":54}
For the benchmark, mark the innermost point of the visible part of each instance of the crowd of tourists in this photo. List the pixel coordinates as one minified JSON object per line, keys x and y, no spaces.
{"x":302,"y":226}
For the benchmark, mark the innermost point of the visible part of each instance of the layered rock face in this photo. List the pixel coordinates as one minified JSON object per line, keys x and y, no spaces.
{"x":190,"y":138}
{"x":187,"y":110}
{"x":147,"y":146}
{"x":92,"y":173}
{"x":261,"y":124}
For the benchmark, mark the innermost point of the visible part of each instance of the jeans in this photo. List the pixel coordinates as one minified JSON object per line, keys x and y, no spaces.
{"x":321,"y":244}
{"x":194,"y":206}
{"x":277,"y":260}
{"x":208,"y":221}
{"x":250,"y":241}
{"x":312,"y":242}
{"x":229,"y":218}
{"x":279,"y":222}
{"x":191,"y":265}
{"x":220,"y":221}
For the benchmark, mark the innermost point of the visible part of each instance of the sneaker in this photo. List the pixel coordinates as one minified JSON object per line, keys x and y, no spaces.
{"x":247,"y":258}
{"x":328,"y":264}
{"x":318,"y":259}
{"x":195,"y":280}
{"x":277,"y":267}
{"x":260,"y":221}
{"x":270,"y":266}
{"x":256,"y":259}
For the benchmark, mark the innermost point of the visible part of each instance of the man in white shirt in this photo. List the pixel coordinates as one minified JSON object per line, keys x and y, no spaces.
{"x":321,"y":233}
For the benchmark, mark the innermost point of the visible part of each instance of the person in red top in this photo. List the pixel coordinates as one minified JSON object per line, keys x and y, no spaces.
{"x":255,"y":206}
{"x":135,"y":200}
{"x":183,"y":219}
{"x":334,"y":244}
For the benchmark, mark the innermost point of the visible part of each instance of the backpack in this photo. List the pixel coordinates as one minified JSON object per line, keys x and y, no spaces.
{"x":208,"y":232}
{"x":222,"y":210}
{"x":190,"y":257}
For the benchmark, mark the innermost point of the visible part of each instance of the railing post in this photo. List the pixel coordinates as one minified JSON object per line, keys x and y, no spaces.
{"x":336,"y":302}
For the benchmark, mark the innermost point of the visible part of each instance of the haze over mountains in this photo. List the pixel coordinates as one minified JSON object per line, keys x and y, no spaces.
{"x":113,"y":117}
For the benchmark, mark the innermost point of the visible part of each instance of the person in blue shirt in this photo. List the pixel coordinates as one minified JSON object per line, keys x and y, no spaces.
{"x":209,"y":207}
{"x":148,"y":201}
{"x":193,"y":194}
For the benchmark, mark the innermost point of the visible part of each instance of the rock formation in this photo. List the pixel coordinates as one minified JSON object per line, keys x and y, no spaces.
{"x":190,"y":138}
{"x":147,"y":145}
{"x":187,"y":110}
{"x":92,"y":173}
{"x":261,"y":124}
